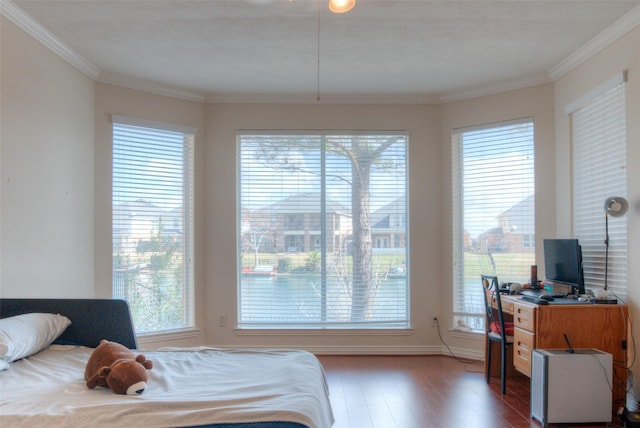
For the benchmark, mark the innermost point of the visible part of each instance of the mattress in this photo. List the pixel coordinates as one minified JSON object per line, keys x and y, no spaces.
{"x":186,"y":387}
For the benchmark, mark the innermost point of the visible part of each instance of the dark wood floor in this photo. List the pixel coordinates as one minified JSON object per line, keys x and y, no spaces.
{"x":424,"y":391}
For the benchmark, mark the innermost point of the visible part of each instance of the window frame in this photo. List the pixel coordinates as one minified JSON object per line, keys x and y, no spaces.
{"x":183,"y":240}
{"x":468,"y":303}
{"x":336,"y":221}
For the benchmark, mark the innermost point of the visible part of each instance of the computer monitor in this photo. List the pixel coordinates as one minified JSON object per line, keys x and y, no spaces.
{"x":563,"y":263}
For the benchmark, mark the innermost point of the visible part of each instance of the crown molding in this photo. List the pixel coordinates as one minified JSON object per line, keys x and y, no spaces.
{"x":533,"y":80}
{"x":221,"y":98}
{"x":149,"y":87}
{"x":38,"y":32}
{"x":595,"y":45}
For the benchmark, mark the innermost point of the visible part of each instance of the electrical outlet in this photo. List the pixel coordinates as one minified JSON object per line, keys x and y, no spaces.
{"x":222,"y":320}
{"x":434,"y":320}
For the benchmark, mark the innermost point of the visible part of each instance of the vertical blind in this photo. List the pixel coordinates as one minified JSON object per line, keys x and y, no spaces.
{"x":599,"y":158}
{"x":322,"y":230}
{"x":493,"y":211}
{"x":152,"y":217}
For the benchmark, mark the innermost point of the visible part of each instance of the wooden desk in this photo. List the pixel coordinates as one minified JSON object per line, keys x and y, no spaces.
{"x":602,"y":327}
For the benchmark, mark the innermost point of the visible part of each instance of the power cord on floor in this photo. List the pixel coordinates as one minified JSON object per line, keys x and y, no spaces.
{"x":467,"y":363}
{"x":628,"y":417}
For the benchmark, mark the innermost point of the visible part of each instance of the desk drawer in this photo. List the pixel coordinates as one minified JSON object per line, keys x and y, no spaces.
{"x":524,"y":316}
{"x":507,"y":306}
{"x":507,"y":302}
{"x":523,"y":343}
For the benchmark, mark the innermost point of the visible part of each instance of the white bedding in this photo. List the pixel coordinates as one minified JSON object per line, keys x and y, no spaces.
{"x":186,"y":387}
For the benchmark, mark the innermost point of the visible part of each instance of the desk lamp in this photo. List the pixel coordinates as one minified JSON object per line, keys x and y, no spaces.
{"x":614,"y":206}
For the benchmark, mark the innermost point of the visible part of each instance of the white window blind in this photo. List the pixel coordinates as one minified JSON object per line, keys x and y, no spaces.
{"x":152,"y":214}
{"x":323,"y":230}
{"x":493,"y":211}
{"x":599,"y":157}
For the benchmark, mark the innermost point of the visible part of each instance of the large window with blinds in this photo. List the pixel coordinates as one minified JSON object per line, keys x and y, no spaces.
{"x":600,"y":171}
{"x":493,"y":211}
{"x":152,"y":217}
{"x":323,"y":230}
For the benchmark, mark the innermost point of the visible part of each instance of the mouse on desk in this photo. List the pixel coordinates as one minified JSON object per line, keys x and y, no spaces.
{"x":547,"y":298}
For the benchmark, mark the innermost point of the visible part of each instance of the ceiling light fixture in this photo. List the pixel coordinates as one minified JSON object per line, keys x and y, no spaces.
{"x":341,"y":6}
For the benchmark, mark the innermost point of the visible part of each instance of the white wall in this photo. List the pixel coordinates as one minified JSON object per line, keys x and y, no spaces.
{"x":624,"y":54}
{"x":47,"y":172}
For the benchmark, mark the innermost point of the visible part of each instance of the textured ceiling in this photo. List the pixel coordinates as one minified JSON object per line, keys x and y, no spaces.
{"x":254,"y":50}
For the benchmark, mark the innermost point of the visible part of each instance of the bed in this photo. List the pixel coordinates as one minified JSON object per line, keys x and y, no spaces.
{"x":187,"y":387}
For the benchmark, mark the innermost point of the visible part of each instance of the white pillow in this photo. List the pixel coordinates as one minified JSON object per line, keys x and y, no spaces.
{"x":3,"y":365}
{"x":26,"y":334}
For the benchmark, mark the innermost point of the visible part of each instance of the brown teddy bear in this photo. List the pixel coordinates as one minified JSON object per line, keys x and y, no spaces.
{"x":112,"y":365}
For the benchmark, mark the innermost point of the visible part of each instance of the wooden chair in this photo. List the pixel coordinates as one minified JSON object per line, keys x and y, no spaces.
{"x":496,"y":329}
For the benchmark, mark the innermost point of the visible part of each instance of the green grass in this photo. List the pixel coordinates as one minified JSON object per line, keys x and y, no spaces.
{"x":510,"y":266}
{"x":296,"y":261}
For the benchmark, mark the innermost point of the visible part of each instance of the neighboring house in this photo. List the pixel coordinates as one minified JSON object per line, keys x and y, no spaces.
{"x":140,"y":221}
{"x":293,"y":225}
{"x":467,"y":242}
{"x":511,"y":235}
{"x":136,"y":225}
{"x":389,"y":225}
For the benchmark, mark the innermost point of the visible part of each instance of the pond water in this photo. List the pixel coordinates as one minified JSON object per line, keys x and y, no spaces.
{"x":302,"y":299}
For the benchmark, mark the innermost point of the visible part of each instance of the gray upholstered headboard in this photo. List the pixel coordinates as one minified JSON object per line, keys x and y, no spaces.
{"x":91,"y":319}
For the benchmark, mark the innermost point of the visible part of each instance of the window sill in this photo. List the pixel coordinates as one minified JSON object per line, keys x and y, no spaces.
{"x":323,"y":332}
{"x":167,"y":335}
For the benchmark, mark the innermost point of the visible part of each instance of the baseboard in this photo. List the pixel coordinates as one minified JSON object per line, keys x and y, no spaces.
{"x":395,"y":350}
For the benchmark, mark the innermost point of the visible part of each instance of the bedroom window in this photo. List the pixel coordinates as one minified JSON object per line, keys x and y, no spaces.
{"x":600,"y":171}
{"x":493,"y":211}
{"x":312,"y":207}
{"x":152,"y":222}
